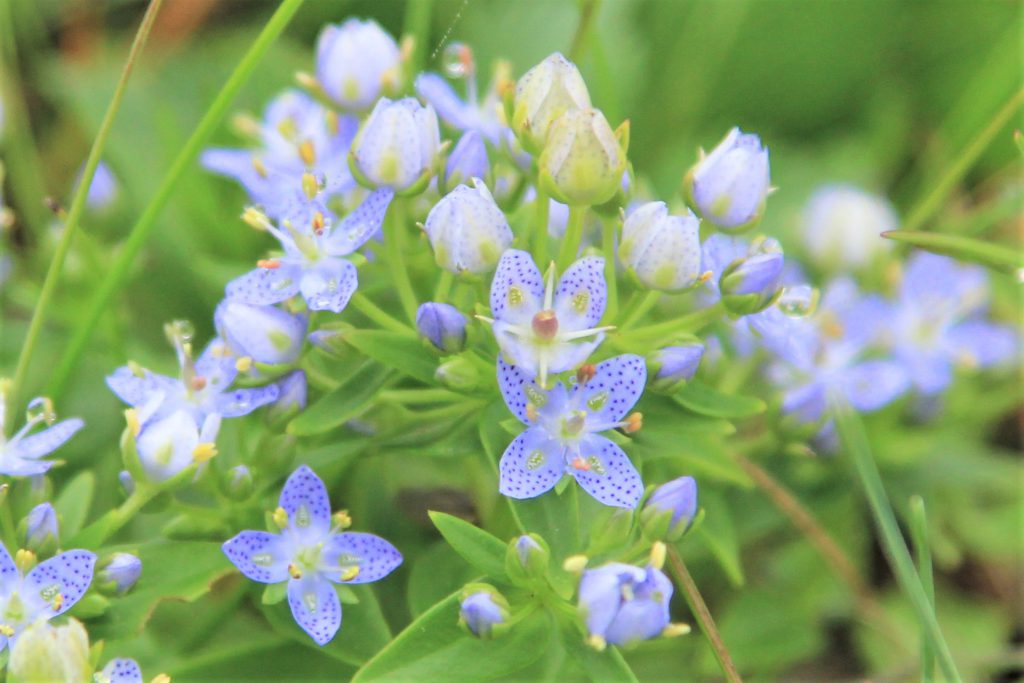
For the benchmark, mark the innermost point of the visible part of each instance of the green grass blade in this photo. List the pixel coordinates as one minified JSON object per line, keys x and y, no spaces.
{"x":923,"y":554}
{"x":854,"y":439}
{"x":142,"y":229}
{"x":995,"y":256}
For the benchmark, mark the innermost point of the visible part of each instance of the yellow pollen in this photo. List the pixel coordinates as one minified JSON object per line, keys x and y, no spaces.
{"x":307,"y":153}
{"x":268,"y":263}
{"x":204,"y":452}
{"x":350,"y":573}
{"x":136,"y":369}
{"x":673,"y":630}
{"x":531,"y":412}
{"x":705,"y":276}
{"x":342,"y":520}
{"x":25,"y":559}
{"x":310,"y":186}
{"x":58,"y":601}
{"x":6,"y":630}
{"x":658,"y":551}
{"x":281,"y":518}
{"x":244,"y":364}
{"x":294,"y":571}
{"x":633,"y":423}
{"x":318,"y":223}
{"x":260,"y":167}
{"x":131,"y":417}
{"x":575,"y":564}
{"x":161,"y":678}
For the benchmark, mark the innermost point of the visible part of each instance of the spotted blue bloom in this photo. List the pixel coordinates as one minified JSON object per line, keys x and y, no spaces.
{"x":938,"y":322}
{"x":120,"y":671}
{"x":311,"y":554}
{"x":47,"y":590}
{"x":541,"y":328}
{"x":297,"y":136}
{"x":20,"y":455}
{"x":622,"y":604}
{"x":563,"y":432}
{"x":312,"y":264}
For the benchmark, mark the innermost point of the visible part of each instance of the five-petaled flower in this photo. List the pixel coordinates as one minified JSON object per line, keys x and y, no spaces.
{"x":562,"y":431}
{"x":20,"y":455}
{"x":541,"y":328}
{"x":311,"y":553}
{"x":45,"y":591}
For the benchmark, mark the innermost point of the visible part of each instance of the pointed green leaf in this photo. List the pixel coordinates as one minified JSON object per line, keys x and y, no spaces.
{"x":341,"y":405}
{"x":994,"y":256}
{"x":405,"y":354}
{"x":73,"y":503}
{"x":479,"y":548}
{"x":704,"y":400}
{"x":718,"y":532}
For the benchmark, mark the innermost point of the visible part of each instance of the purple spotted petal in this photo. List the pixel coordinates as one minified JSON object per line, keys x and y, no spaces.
{"x":315,"y":606}
{"x":375,"y":557}
{"x":873,"y":384}
{"x":259,"y":555}
{"x":68,"y":574}
{"x":517,"y":291}
{"x":531,"y":465}
{"x":613,"y":390}
{"x":581,"y":294}
{"x":361,"y":224}
{"x":612,"y":480}
{"x":329,"y":285}
{"x":217,"y":365}
{"x":238,"y":402}
{"x":8,"y":570}
{"x":513,"y":381}
{"x":264,"y":286}
{"x":135,"y":390}
{"x":45,"y":441}
{"x":304,"y":498}
{"x":122,"y":671}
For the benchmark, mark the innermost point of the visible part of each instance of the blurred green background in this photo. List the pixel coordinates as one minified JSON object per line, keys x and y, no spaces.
{"x":881,"y":94}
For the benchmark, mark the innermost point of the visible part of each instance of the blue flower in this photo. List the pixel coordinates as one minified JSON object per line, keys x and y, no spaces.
{"x":41,"y":528}
{"x":481,"y":610}
{"x":467,"y":160}
{"x":562,"y":435}
{"x":397,"y":146}
{"x":20,"y":455}
{"x":467,"y":230}
{"x":622,"y":604}
{"x":443,"y":325}
{"x":103,"y":190}
{"x":469,"y":115}
{"x":670,"y":510}
{"x":311,"y":554}
{"x":312,"y":263}
{"x":120,"y":572}
{"x":729,"y":186}
{"x":751,"y":284}
{"x":843,"y":226}
{"x":167,"y":444}
{"x":47,"y":590}
{"x":662,"y":250}
{"x":542,"y":329}
{"x":676,"y":365}
{"x":939,"y":322}
{"x":120,"y":671}
{"x":266,"y":334}
{"x":355,"y":61}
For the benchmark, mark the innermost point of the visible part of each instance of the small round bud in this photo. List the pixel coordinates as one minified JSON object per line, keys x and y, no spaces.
{"x":397,"y":146}
{"x":238,"y":483}
{"x":674,"y":366}
{"x":527,"y":558}
{"x":483,"y":610}
{"x":443,"y":325}
{"x":291,"y":396}
{"x":459,"y":373}
{"x":670,"y":510}
{"x":467,"y":230}
{"x":842,"y":227}
{"x":120,"y":573}
{"x":468,"y":160}
{"x":751,"y":284}
{"x":544,"y":93}
{"x":663,"y":251}
{"x":354,"y":61}
{"x":583,"y":160}
{"x":545,"y":324}
{"x":729,"y":186}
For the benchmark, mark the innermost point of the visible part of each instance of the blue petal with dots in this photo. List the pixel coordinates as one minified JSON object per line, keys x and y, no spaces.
{"x":613,"y":390}
{"x":45,"y":441}
{"x":238,"y":402}
{"x":531,"y":465}
{"x":259,"y":555}
{"x":612,"y":479}
{"x":315,"y":607}
{"x":68,"y":574}
{"x":264,"y":286}
{"x":304,"y":498}
{"x":122,"y":671}
{"x":581,"y":294}
{"x":517,"y":291}
{"x":375,"y":557}
{"x":513,"y":383}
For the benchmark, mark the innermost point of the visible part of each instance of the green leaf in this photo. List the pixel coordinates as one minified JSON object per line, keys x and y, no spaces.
{"x":73,"y":503}
{"x":994,"y":256}
{"x":718,"y":532}
{"x":436,"y":648}
{"x":392,"y":350}
{"x":341,"y":405}
{"x":704,"y":400}
{"x":274,"y":593}
{"x":479,"y":548}
{"x":607,"y":666}
{"x":436,"y":573}
{"x":555,"y":517}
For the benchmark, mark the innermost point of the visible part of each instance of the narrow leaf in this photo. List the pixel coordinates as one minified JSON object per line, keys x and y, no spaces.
{"x":994,"y":256}
{"x":341,"y":405}
{"x":479,"y":548}
{"x":704,"y":400}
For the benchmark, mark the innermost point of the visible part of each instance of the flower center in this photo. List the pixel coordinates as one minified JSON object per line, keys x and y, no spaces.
{"x":545,"y":325}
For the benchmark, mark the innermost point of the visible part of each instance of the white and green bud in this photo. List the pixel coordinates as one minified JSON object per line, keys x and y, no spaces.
{"x":662,"y":250}
{"x":583,"y":159}
{"x":44,"y":653}
{"x":543,"y":94}
{"x":467,"y":230}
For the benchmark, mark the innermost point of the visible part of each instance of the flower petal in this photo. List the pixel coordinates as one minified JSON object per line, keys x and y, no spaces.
{"x":361,"y":224}
{"x":135,"y":390}
{"x":263,"y":286}
{"x":570,"y":355}
{"x":122,"y":671}
{"x":513,"y":383}
{"x":375,"y":557}
{"x":517,"y":291}
{"x":259,"y":555}
{"x":216,"y":365}
{"x":8,"y":570}
{"x":616,"y":387}
{"x":46,"y":441}
{"x":329,"y":285}
{"x":873,"y":384}
{"x":581,"y":294}
{"x":304,"y":498}
{"x":315,"y":607}
{"x":600,"y":594}
{"x":981,"y":343}
{"x":167,"y":445}
{"x":531,"y":465}
{"x":68,"y":574}
{"x":238,"y":402}
{"x":612,"y":479}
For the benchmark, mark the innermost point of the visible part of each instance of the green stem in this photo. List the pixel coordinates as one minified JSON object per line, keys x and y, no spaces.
{"x":77,"y":206}
{"x":7,"y":526}
{"x":394,"y":249}
{"x":539,"y":241}
{"x":378,"y":315}
{"x":923,"y":553}
{"x":140,"y":232}
{"x":608,"y":246}
{"x":97,"y":533}
{"x":927,"y":207}
{"x":417,"y":25}
{"x":687,"y":323}
{"x":571,"y":240}
{"x":419,"y":396}
{"x":588,"y":12}
{"x":854,"y":439}
{"x":444,"y":286}
{"x":649,"y":300}
{"x":703,"y":616}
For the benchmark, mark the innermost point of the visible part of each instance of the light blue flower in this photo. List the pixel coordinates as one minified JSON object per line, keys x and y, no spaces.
{"x":311,"y":554}
{"x":729,"y":186}
{"x":622,"y":604}
{"x":481,"y":611}
{"x":676,"y":365}
{"x":443,"y":325}
{"x":266,"y":334}
{"x":20,"y":455}
{"x":563,"y":426}
{"x":468,"y":115}
{"x":103,"y":190}
{"x":120,"y":572}
{"x":939,"y":322}
{"x":312,"y":264}
{"x":542,"y":329}
{"x":45,"y":591}
{"x":41,"y":528}
{"x":355,"y":61}
{"x":675,"y":500}
{"x":397,"y":146}
{"x":467,"y":230}
{"x":662,"y":250}
{"x":120,"y":671}
{"x":843,"y":226}
{"x":167,"y":444}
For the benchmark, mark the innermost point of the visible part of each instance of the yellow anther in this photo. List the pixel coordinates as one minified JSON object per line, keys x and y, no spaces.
{"x":204,"y":452}
{"x":281,"y":518}
{"x":597,"y":642}
{"x":58,"y":602}
{"x":307,"y":153}
{"x":531,"y":412}
{"x":24,"y":559}
{"x":658,"y":551}
{"x":310,"y":185}
{"x":633,"y":423}
{"x":342,"y":520}
{"x":268,"y":263}
{"x":6,"y":630}
{"x":580,"y":464}
{"x":318,"y":223}
{"x":575,"y":564}
{"x":673,"y":630}
{"x":161,"y":678}
{"x":244,"y":364}
{"x":260,"y":167}
{"x":705,"y":276}
{"x":333,"y":122}
{"x":350,"y":573}
{"x":131,"y":418}
{"x":255,"y":218}
{"x":136,"y":369}
{"x":294,"y":571}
